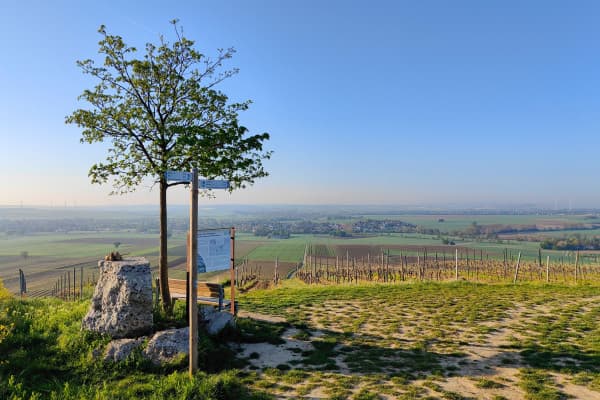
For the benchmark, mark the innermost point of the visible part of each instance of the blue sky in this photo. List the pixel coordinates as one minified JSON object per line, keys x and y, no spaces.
{"x":379,"y":102}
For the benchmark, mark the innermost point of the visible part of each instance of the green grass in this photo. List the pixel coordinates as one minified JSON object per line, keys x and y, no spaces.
{"x":404,"y":341}
{"x":539,"y":386}
{"x":45,"y":355}
{"x":485,"y":383}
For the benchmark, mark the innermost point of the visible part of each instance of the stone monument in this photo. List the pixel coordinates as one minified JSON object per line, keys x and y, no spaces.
{"x":122,"y":302}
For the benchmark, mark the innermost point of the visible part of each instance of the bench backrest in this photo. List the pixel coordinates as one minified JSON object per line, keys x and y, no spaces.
{"x":203,"y":289}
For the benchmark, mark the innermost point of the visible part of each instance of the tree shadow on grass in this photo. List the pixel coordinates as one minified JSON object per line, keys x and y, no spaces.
{"x":360,"y":354}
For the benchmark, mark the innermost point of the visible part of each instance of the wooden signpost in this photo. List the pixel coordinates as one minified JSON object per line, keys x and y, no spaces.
{"x":192,"y":255}
{"x":231,"y":269}
{"x":193,"y":274}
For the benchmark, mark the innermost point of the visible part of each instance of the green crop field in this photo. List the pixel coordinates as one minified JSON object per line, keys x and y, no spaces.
{"x":290,"y":250}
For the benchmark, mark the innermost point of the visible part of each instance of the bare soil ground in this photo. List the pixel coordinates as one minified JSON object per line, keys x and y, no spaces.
{"x":348,"y":348}
{"x":363,"y":250}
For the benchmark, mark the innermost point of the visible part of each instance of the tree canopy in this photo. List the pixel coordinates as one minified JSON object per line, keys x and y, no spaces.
{"x":163,"y":112}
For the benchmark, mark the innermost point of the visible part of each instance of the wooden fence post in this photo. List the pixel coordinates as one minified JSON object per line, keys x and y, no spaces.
{"x":517,"y":268}
{"x":577,"y":266}
{"x":456,"y":264}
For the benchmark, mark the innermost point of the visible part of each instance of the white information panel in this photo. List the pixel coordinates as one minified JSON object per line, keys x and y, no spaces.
{"x":214,"y":248}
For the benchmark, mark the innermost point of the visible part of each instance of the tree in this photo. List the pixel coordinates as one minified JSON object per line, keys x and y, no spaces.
{"x":163,"y":112}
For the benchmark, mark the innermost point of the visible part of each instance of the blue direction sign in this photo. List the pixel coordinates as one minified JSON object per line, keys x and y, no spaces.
{"x":213,"y":184}
{"x":179,"y":176}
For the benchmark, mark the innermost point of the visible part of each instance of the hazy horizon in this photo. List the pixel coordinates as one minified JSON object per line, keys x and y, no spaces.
{"x":427,"y":208}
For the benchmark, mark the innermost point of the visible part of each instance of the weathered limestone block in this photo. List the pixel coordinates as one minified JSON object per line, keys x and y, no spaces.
{"x":120,"y":349}
{"x":122,"y":302}
{"x":167,"y":346}
{"x":215,"y":321}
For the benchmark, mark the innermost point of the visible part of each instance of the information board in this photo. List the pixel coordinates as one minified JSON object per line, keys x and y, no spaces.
{"x":214,"y":248}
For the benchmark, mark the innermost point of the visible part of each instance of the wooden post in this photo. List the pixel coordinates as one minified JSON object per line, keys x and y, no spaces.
{"x":547,"y":269}
{"x":304,"y":258}
{"x":517,"y":268}
{"x":576,"y":266}
{"x":193,"y":273}
{"x":456,"y":264}
{"x":22,"y":286}
{"x":401,"y":267}
{"x":81,"y":282}
{"x":540,"y":261}
{"x":232,"y":268}
{"x":156,"y":297}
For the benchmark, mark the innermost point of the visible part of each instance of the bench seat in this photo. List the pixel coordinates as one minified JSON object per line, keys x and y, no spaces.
{"x":207,"y":293}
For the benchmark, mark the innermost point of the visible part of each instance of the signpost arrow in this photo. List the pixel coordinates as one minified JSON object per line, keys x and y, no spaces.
{"x":180,"y":176}
{"x":213,"y":184}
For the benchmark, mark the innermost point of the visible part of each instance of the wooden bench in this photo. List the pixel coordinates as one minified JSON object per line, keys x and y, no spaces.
{"x":208,"y":293}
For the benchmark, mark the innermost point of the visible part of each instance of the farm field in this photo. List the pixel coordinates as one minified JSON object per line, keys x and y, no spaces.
{"x":568,"y":232}
{"x":453,"y":222}
{"x":426,"y":341}
{"x":50,"y":255}
{"x":46,"y":256}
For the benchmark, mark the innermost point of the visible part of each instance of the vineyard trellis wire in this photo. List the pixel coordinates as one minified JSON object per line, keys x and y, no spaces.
{"x":460,"y":264}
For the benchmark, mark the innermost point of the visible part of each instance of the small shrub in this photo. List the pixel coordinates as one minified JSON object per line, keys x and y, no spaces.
{"x":484,"y":383}
{"x":4,"y":293}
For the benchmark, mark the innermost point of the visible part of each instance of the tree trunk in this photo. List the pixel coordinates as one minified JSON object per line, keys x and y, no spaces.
{"x":163,"y":261}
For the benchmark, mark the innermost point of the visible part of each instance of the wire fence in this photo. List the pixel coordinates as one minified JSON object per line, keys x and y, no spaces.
{"x":70,"y":283}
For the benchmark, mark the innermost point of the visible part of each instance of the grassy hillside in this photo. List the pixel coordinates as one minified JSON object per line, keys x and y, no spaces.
{"x":45,"y":355}
{"x":371,"y":341}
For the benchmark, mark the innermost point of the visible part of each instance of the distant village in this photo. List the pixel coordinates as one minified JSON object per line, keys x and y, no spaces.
{"x":283,"y":230}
